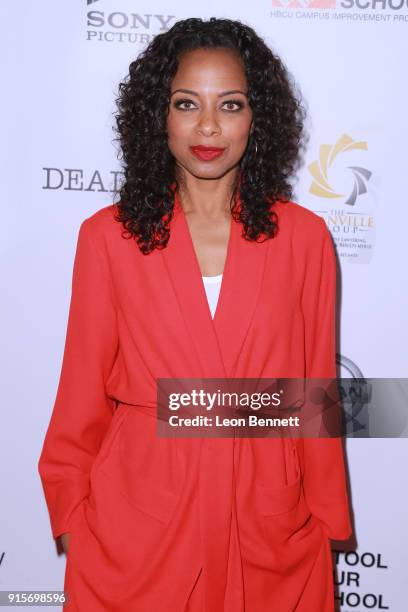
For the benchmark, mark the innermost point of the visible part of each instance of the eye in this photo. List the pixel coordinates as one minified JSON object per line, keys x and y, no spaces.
{"x":179,"y":104}
{"x":236,"y":103}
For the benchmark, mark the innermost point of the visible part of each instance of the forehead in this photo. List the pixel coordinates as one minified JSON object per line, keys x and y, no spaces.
{"x":210,"y":69}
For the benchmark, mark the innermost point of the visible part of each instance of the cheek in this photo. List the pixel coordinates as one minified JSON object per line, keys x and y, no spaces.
{"x":237,"y":128}
{"x":238,"y":133}
{"x":177,"y":131}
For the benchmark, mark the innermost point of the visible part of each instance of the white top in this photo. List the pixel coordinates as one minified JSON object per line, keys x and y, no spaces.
{"x":212,"y":286}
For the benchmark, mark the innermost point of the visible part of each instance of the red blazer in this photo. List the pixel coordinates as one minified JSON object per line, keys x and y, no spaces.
{"x":193,"y":524}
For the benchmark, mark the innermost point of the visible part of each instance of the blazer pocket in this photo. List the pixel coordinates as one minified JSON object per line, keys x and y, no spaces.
{"x":110,"y":437}
{"x":278,"y":500}
{"x":150,"y":498}
{"x":285,"y":516}
{"x":273,"y":501}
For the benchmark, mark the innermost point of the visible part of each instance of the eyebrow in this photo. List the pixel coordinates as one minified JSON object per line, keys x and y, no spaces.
{"x":223,"y":93}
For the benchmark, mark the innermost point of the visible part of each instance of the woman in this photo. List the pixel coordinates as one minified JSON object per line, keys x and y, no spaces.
{"x":210,"y":128}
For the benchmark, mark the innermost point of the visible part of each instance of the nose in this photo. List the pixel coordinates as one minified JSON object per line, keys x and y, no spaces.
{"x":207,"y":124}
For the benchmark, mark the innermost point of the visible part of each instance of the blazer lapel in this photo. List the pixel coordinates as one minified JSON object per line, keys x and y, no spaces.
{"x":240,"y":292}
{"x":216,"y":342}
{"x":216,"y":346}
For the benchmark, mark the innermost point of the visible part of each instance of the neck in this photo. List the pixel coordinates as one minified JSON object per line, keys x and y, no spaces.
{"x":209,"y":197}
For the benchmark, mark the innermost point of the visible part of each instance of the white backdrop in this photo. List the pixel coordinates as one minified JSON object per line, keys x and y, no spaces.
{"x":62,"y":64}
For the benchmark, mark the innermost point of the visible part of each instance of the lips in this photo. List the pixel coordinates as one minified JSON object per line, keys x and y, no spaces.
{"x":207,"y":153}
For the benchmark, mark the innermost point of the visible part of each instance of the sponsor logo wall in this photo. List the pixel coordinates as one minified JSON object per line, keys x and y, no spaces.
{"x":60,"y":164}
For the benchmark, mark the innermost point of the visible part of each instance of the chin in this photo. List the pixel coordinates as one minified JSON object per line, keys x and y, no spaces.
{"x":208,"y":172}
{"x":209,"y":175}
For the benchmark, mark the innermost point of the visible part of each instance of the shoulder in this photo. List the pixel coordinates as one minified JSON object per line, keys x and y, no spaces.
{"x":294,"y":214}
{"x":300,"y":222}
{"x":102,"y":220}
{"x":101,"y":232}
{"x":102,"y":225}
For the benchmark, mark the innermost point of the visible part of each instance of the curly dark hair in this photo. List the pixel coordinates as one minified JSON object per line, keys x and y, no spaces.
{"x":149,"y":177}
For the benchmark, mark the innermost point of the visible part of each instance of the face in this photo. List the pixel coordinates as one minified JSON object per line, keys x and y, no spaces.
{"x":209,"y":109}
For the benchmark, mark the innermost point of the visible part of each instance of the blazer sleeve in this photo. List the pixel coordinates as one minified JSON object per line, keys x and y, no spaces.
{"x":82,"y":411}
{"x":325,"y":483}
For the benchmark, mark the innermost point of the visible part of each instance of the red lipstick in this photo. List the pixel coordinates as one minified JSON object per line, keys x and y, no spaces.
{"x":207,"y":153}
